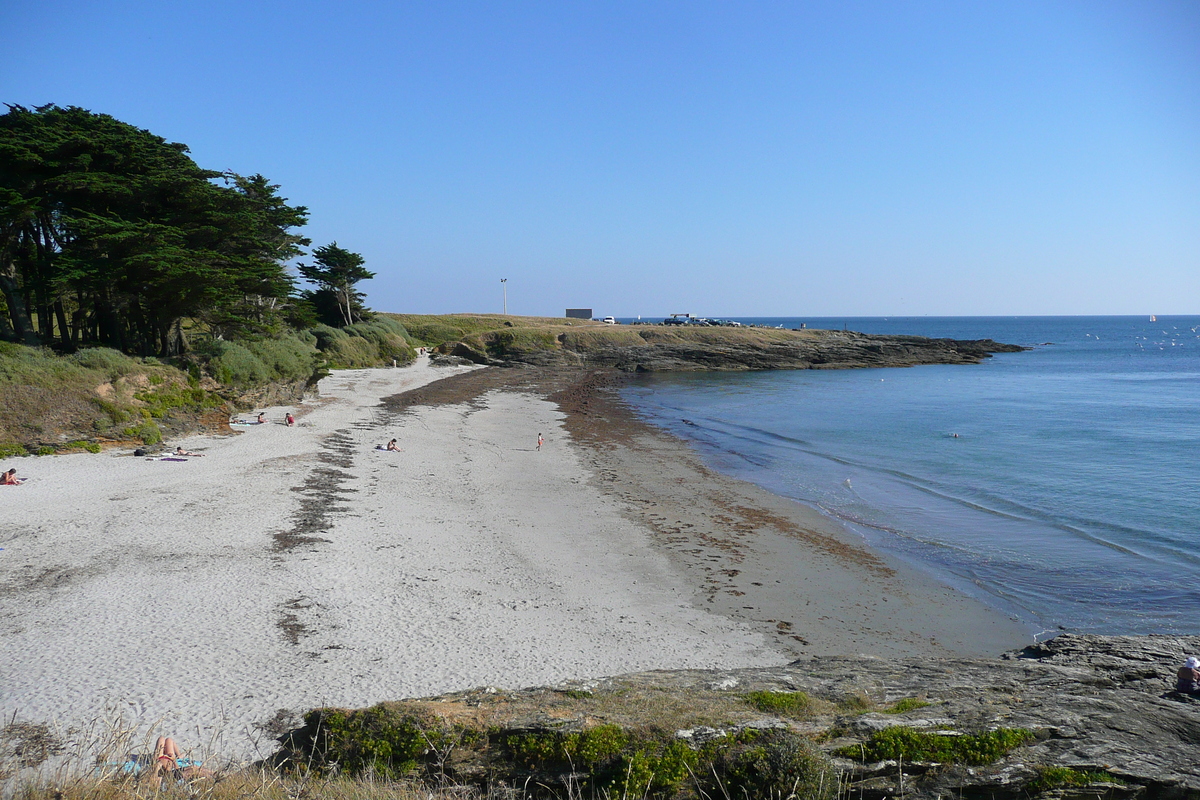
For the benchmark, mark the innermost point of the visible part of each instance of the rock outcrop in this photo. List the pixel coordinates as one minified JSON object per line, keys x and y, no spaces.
{"x":665,"y":349}
{"x":1096,"y":715}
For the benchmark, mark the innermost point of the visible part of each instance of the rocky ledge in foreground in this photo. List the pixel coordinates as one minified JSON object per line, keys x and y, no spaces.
{"x":1078,"y":716}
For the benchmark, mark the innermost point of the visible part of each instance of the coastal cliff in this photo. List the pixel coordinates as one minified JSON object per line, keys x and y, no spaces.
{"x":1077,"y":716}
{"x":654,"y":348}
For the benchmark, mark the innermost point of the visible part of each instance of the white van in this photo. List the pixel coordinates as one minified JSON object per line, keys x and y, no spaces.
{"x":609,"y":321}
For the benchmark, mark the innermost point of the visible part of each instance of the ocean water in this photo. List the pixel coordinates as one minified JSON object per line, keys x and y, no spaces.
{"x":1069,"y":498}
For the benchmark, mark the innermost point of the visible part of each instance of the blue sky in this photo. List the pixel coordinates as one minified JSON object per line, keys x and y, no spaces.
{"x":719,"y":158}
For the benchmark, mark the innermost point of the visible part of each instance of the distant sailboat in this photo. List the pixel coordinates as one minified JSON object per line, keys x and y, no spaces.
{"x":1153,"y":318}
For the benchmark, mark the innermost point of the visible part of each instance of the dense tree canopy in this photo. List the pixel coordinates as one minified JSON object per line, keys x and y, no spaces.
{"x":112,"y":235}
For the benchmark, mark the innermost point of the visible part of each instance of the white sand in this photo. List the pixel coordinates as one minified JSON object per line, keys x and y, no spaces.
{"x":160,"y":592}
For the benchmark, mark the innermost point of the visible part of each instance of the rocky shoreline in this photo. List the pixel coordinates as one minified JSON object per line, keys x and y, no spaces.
{"x":1096,"y":711}
{"x":658,"y":349}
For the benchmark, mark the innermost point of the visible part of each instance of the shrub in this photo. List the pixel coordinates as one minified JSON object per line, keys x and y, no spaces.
{"x":905,"y":704}
{"x":434,"y":333}
{"x":389,"y":338}
{"x":234,"y":365}
{"x":12,"y":450}
{"x":287,"y":358}
{"x":112,"y":362}
{"x":148,"y":432}
{"x":379,"y":740}
{"x":913,"y":745}
{"x":352,"y":352}
{"x":778,"y":764}
{"x":162,"y":401}
{"x":1057,"y":777}
{"x":785,"y":704}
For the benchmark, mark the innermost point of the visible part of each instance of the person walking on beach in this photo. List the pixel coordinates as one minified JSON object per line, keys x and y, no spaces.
{"x":540,"y":440}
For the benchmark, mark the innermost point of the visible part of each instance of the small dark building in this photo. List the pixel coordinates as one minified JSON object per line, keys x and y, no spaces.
{"x":579,"y":313}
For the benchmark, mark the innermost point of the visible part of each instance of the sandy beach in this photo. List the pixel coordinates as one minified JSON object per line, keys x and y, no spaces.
{"x":289,"y":568}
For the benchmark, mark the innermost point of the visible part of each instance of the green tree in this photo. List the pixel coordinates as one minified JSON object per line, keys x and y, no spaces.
{"x":336,"y":270}
{"x":112,"y":235}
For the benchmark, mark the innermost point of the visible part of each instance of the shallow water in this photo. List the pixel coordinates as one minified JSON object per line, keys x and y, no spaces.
{"x":1069,"y":497}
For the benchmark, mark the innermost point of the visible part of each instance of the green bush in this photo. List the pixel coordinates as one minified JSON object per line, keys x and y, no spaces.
{"x":162,"y":401}
{"x":377,"y":740}
{"x":781,"y":764}
{"x":785,"y":704}
{"x":913,"y":745}
{"x":389,"y":337}
{"x":112,"y":362}
{"x":432,"y":334}
{"x":905,"y":704}
{"x":352,"y":352}
{"x":288,"y":358}
{"x":12,"y":450}
{"x":148,"y":432}
{"x":1057,"y":777}
{"x":234,"y":365}
{"x":327,"y":335}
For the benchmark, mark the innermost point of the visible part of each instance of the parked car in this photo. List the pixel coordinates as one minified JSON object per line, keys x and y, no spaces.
{"x":609,"y":321}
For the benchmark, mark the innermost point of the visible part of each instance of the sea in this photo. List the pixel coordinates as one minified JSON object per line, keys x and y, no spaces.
{"x":1060,"y":485}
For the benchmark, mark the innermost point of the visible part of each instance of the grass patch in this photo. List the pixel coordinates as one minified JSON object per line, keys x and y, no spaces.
{"x":431,"y":330}
{"x":856,"y":703}
{"x":1059,"y":777}
{"x":913,"y":745}
{"x":795,"y":705}
{"x":904,"y":704}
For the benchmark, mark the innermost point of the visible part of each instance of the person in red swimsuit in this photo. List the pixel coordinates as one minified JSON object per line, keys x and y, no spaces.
{"x":166,"y":763}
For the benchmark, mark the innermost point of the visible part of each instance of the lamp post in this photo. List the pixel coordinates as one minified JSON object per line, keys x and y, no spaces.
{"x":504,"y":286}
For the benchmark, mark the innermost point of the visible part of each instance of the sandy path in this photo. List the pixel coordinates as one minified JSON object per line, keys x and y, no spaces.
{"x":290,"y":568}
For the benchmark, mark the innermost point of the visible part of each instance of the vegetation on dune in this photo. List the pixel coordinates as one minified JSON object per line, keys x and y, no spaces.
{"x":106,"y":395}
{"x":432,"y":330}
{"x":137,"y":286}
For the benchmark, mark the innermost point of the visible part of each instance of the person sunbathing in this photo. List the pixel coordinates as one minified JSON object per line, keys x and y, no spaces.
{"x":392,"y":446}
{"x":262,"y":418}
{"x":167,"y":757}
{"x":10,"y":478}
{"x":179,"y":451}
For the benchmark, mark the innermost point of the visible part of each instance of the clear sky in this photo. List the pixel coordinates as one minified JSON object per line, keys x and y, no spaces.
{"x":719,"y":158}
